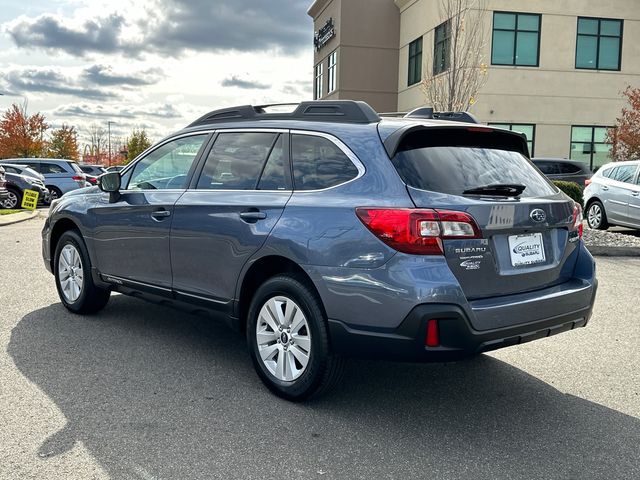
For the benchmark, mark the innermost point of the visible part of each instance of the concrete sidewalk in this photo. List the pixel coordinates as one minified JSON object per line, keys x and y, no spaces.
{"x":17,"y":217}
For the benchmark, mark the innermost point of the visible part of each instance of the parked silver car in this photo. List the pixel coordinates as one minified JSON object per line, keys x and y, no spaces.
{"x":612,"y":197}
{"x":61,"y":176}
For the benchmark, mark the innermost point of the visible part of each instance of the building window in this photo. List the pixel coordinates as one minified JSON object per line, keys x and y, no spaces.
{"x":528,"y":129}
{"x":317,"y":91}
{"x":442,"y":48}
{"x":516,"y":39}
{"x":588,"y":145}
{"x":331,"y":72}
{"x":599,"y":44}
{"x":415,"y":62}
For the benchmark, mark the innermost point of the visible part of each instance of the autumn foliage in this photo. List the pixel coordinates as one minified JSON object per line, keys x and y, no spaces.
{"x":64,"y":143}
{"x":22,"y":135}
{"x":625,"y":135}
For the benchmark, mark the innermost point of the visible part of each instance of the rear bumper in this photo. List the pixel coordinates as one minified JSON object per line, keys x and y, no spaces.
{"x":458,"y":339}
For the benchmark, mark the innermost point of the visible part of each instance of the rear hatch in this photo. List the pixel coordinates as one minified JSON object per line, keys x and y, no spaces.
{"x":528,"y":229}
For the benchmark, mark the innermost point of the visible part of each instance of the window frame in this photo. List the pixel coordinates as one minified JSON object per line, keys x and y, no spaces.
{"x":510,"y":128}
{"x":332,"y":71}
{"x":416,"y":58}
{"x":515,"y":37}
{"x":445,"y":44}
{"x":338,"y":143}
{"x":318,"y":74}
{"x":598,"y":35}
{"x":593,"y":133}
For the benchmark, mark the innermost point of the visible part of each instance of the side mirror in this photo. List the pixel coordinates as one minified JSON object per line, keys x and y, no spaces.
{"x":110,"y":183}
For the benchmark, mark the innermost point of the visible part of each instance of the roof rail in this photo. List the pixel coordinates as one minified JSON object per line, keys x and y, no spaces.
{"x":427,"y":112}
{"x":336,"y":111}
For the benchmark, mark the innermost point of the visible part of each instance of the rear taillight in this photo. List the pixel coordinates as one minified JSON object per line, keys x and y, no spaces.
{"x":78,"y":178}
{"x":418,"y":231}
{"x":432,"y":339}
{"x":576,"y":225}
{"x":587,"y":182}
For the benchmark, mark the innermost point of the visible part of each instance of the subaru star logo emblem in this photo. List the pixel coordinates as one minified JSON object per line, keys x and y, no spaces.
{"x":538,"y":215}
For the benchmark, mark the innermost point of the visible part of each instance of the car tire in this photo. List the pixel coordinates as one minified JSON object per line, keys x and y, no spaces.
{"x":14,"y":199}
{"x":288,"y":339}
{"x":72,"y":271}
{"x":596,"y":216}
{"x":54,"y":193}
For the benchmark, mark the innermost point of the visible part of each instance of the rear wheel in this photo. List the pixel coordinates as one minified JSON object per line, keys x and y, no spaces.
{"x":72,"y":270}
{"x":54,"y":193}
{"x":14,"y":200}
{"x":288,"y":339}
{"x":596,"y":216}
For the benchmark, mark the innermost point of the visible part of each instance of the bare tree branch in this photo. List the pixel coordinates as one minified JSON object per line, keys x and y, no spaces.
{"x":457,"y":88}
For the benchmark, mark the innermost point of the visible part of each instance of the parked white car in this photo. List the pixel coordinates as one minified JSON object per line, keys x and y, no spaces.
{"x":612,"y":196}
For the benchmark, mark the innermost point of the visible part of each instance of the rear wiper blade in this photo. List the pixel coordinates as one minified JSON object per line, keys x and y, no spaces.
{"x":502,"y":189}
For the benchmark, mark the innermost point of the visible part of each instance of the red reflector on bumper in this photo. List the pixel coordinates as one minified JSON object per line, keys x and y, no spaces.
{"x":432,"y":339}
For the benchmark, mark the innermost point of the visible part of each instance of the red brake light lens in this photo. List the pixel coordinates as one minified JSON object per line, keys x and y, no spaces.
{"x":433,"y":338}
{"x":576,"y":225}
{"x":78,"y":178}
{"x":587,"y":182}
{"x":418,"y":231}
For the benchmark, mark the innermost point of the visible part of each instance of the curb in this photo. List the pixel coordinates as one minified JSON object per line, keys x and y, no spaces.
{"x":604,"y":251}
{"x":17,"y":217}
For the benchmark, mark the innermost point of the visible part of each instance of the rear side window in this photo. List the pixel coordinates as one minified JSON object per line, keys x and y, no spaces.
{"x":75,"y":167}
{"x":454,"y":169}
{"x":548,"y":168}
{"x":319,"y":163}
{"x":624,"y":173}
{"x":569,"y":168}
{"x":236,"y":161}
{"x":608,"y":172}
{"x":46,"y":167}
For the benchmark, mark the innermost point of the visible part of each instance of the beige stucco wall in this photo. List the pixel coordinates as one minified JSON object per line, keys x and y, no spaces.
{"x":366,"y":43}
{"x":554,"y":95}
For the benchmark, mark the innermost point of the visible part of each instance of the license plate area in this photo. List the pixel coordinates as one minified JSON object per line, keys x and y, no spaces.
{"x":526,"y":249}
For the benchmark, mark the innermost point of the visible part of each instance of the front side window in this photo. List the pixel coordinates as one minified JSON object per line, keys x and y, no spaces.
{"x":331,"y":72}
{"x":318,"y":163}
{"x":442,"y":48}
{"x":588,"y":145}
{"x":599,"y":44}
{"x":236,"y":161}
{"x":317,"y":91}
{"x":415,"y":62}
{"x":51,"y":168}
{"x":168,"y":166}
{"x":516,"y":39}
{"x":528,"y":129}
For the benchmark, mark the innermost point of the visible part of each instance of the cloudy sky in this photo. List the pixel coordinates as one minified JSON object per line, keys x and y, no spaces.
{"x":157,"y":64}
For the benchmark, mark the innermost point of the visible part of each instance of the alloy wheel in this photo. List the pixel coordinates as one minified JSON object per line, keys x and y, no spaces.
{"x":11,"y":201}
{"x":594,"y":217}
{"x":283,"y":338}
{"x":70,"y":273}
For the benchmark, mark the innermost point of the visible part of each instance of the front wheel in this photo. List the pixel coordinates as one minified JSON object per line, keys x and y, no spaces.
{"x":14,"y":199}
{"x":72,"y":270}
{"x":288,"y":339}
{"x":596,"y":216}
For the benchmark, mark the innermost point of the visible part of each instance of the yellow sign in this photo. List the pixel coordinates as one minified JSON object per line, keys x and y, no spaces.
{"x":29,"y":199}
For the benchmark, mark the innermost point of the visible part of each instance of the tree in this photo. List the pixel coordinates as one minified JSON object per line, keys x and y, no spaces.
{"x":22,"y":135}
{"x":624,"y":137}
{"x":97,"y":140}
{"x":64,"y":143}
{"x":137,"y":143}
{"x":458,"y":72}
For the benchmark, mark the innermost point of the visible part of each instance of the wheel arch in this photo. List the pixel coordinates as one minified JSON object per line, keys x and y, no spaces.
{"x":63,"y":225}
{"x":260,"y":271}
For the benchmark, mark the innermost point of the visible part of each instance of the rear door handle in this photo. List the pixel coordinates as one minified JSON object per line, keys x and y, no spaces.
{"x":604,"y":187}
{"x":635,"y":194}
{"x":253,"y":216}
{"x":159,"y":215}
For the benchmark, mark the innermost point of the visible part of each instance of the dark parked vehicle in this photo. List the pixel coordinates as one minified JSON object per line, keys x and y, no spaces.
{"x":115,"y":168}
{"x":92,"y":172}
{"x":17,"y":184}
{"x":613,"y":196}
{"x":22,"y":170}
{"x":61,"y":176}
{"x":4,"y":193}
{"x":329,"y":232}
{"x":564,"y":170}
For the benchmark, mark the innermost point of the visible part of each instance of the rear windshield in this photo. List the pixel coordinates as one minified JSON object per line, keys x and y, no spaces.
{"x":452,"y":170}
{"x":75,"y":167}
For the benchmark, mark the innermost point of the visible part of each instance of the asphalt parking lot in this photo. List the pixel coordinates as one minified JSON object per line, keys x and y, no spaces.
{"x":146,"y":392}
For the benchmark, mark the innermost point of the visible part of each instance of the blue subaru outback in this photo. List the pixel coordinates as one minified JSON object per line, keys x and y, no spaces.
{"x":327,"y":232}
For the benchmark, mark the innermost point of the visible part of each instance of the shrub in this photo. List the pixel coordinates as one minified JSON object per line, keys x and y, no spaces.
{"x":570,"y":188}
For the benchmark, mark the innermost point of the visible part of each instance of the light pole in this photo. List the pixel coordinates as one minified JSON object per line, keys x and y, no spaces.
{"x":109,"y":134}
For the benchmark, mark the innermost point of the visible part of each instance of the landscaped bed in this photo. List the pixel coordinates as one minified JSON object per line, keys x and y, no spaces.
{"x":9,"y":211}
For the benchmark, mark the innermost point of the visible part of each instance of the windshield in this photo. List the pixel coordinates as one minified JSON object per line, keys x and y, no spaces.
{"x":454,"y":170}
